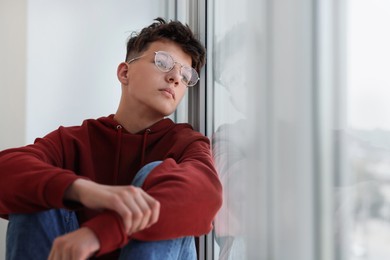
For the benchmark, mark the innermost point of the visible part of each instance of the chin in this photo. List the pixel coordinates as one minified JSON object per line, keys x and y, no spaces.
{"x":166,"y":112}
{"x":169,"y":109}
{"x":163,"y":108}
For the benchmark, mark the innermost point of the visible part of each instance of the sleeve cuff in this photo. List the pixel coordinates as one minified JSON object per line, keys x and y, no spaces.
{"x":56,"y":187}
{"x":108,"y":228}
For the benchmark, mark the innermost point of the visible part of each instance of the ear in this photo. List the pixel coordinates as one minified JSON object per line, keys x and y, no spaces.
{"x":122,"y":73}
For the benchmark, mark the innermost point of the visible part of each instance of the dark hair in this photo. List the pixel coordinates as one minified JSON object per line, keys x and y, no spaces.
{"x":174,"y":31}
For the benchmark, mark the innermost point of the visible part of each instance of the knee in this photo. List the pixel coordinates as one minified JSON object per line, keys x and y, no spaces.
{"x":54,"y":218}
{"x":144,"y":172}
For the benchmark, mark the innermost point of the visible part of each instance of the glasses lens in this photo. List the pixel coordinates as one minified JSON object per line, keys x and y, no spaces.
{"x":186,"y":74}
{"x":189,"y":76}
{"x":164,"y":61}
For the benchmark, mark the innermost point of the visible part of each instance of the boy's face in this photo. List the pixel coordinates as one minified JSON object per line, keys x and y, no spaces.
{"x":149,"y":90}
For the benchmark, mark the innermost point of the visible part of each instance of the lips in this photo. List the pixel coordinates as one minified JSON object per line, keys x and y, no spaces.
{"x":169,"y":91}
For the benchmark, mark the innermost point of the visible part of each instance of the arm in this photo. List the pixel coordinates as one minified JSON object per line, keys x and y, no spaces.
{"x":192,"y":171}
{"x":136,"y":208}
{"x":189,"y":194}
{"x":33,"y":179}
{"x":30,"y":174}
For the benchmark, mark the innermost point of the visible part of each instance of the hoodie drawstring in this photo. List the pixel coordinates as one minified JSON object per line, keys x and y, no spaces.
{"x":117,"y":153}
{"x":147,"y":131}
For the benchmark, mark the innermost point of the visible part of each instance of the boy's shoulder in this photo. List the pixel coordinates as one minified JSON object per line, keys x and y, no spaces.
{"x":185,"y":129}
{"x":183,"y":132}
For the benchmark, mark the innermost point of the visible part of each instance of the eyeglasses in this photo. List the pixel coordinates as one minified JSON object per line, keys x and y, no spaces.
{"x":165,"y":63}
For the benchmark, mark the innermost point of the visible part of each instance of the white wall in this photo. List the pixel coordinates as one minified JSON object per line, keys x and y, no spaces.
{"x":12,"y":81}
{"x":58,"y":63}
{"x":74,"y":48}
{"x":12,"y":72}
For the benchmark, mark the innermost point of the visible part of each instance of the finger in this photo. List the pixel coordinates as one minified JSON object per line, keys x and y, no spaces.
{"x":119,"y":206}
{"x":58,"y":255}
{"x":146,"y":211}
{"x":51,"y":255}
{"x":55,"y":252}
{"x":132,"y":203}
{"x":154,"y":205}
{"x":78,"y":255}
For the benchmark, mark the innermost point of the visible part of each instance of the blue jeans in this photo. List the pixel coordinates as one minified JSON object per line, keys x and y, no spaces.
{"x":28,"y":235}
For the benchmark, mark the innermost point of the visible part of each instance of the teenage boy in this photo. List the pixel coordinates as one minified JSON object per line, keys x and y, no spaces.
{"x":133,"y":185}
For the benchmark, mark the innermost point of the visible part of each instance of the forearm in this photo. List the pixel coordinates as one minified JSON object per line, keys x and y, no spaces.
{"x":73,"y":192}
{"x":38,"y":185}
{"x":190,"y":195}
{"x":110,"y":231}
{"x":127,"y":209}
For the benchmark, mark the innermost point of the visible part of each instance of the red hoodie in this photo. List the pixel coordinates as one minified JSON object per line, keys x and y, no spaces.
{"x":35,"y":177}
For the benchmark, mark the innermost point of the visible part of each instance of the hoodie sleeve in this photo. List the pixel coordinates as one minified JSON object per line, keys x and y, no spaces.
{"x":189,"y":193}
{"x":32,"y":178}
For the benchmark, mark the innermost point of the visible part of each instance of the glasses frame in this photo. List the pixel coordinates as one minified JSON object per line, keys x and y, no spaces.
{"x":194,"y":72}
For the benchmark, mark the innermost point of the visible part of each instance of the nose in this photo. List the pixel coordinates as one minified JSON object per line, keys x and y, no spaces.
{"x":174,"y":76}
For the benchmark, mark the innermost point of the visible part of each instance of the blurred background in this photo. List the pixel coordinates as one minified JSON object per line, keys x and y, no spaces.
{"x":294,"y":98}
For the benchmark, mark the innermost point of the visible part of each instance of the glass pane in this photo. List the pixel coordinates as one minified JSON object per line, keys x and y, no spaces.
{"x":368,"y":195}
{"x":260,"y":118}
{"x":281,"y":157}
{"x":235,"y":79}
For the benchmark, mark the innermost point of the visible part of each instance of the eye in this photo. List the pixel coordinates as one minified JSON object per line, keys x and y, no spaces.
{"x":186,"y":74}
{"x":164,"y":61}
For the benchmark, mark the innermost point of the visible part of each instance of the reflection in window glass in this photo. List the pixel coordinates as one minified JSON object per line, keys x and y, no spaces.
{"x":236,"y":46}
{"x":277,"y":214}
{"x":229,"y":144}
{"x":368,"y":198}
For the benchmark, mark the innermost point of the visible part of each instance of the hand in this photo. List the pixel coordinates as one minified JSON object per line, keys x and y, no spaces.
{"x":137,"y":208}
{"x":78,"y":245}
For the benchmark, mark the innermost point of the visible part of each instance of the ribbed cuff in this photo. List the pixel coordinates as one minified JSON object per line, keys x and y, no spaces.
{"x":109,"y":229}
{"x":55,"y":189}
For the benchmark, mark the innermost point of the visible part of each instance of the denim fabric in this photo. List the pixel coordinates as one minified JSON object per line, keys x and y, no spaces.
{"x":28,"y":235}
{"x":143,"y":173}
{"x":178,"y":249}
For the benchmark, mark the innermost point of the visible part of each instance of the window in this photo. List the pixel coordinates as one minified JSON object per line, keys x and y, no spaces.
{"x":297,"y":108}
{"x":366,"y":195}
{"x":259,"y":119}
